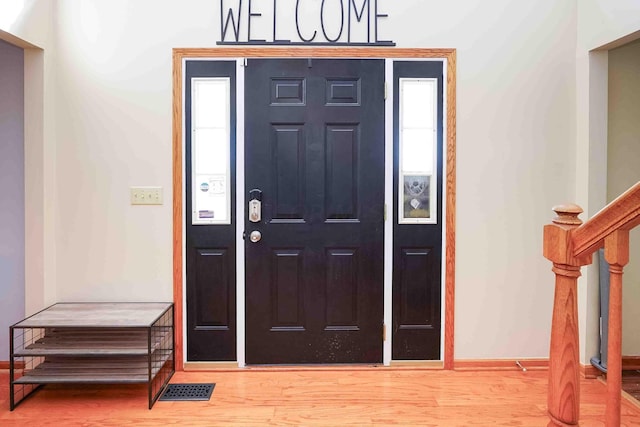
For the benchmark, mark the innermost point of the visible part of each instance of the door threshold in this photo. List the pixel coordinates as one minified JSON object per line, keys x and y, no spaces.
{"x":316,"y":367}
{"x":395,"y":365}
{"x":426,"y":364}
{"x":210,"y":366}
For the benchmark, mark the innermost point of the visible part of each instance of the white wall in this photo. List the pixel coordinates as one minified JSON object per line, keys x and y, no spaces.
{"x":599,"y":23}
{"x":29,"y":23}
{"x":11,"y":191}
{"x":515,"y":128}
{"x":29,"y":20}
{"x":515,"y":103}
{"x":623,"y":172}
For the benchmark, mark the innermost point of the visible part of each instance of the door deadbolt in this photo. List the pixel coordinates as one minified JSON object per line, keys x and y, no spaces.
{"x":255,"y":205}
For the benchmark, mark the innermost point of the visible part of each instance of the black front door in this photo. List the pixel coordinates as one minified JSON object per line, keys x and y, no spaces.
{"x":314,"y":147}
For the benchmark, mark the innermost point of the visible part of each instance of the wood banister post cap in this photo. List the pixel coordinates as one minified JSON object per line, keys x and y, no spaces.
{"x":557,"y":245}
{"x":567,"y":214}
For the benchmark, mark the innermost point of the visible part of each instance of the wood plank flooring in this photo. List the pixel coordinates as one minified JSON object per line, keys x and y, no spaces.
{"x":328,"y":397}
{"x":631,"y":383}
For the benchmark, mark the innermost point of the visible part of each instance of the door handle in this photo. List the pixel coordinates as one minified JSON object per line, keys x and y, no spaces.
{"x":255,"y":236}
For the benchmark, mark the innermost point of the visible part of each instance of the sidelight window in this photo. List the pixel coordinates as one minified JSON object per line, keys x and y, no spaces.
{"x":210,"y":148}
{"x":417,"y":113}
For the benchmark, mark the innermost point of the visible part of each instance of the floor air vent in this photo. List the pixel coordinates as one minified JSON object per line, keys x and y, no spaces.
{"x":186,"y":392}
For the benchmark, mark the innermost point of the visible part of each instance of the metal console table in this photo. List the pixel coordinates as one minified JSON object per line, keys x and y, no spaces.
{"x":96,"y":343}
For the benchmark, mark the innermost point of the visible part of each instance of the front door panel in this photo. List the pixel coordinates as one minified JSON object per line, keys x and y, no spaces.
{"x":314,"y":146}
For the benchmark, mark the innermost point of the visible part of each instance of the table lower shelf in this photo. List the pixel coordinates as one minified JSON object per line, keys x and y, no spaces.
{"x":97,"y":342}
{"x":103,"y":370}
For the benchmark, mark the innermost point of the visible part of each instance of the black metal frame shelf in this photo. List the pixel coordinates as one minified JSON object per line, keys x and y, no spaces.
{"x":97,"y":343}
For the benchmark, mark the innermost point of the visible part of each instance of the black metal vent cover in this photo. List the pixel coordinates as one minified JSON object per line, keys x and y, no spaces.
{"x":188,"y":392}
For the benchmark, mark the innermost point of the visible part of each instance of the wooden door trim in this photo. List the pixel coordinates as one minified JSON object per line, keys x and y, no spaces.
{"x":179,"y":54}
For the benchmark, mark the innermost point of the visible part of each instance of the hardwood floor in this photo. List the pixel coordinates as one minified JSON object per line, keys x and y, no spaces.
{"x":366,"y":396}
{"x":631,"y":383}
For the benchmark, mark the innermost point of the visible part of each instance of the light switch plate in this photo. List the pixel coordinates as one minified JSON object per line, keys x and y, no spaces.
{"x":146,"y":195}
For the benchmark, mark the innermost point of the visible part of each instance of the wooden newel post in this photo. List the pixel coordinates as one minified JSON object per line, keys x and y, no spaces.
{"x":563,"y":398}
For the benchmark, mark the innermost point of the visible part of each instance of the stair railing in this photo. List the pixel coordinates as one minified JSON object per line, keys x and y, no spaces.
{"x":569,"y":244}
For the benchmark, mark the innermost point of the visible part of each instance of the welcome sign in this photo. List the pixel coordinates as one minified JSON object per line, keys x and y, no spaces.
{"x":317,"y":22}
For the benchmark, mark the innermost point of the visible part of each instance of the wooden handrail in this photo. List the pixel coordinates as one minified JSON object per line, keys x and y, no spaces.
{"x":621,"y":214}
{"x":569,"y":244}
